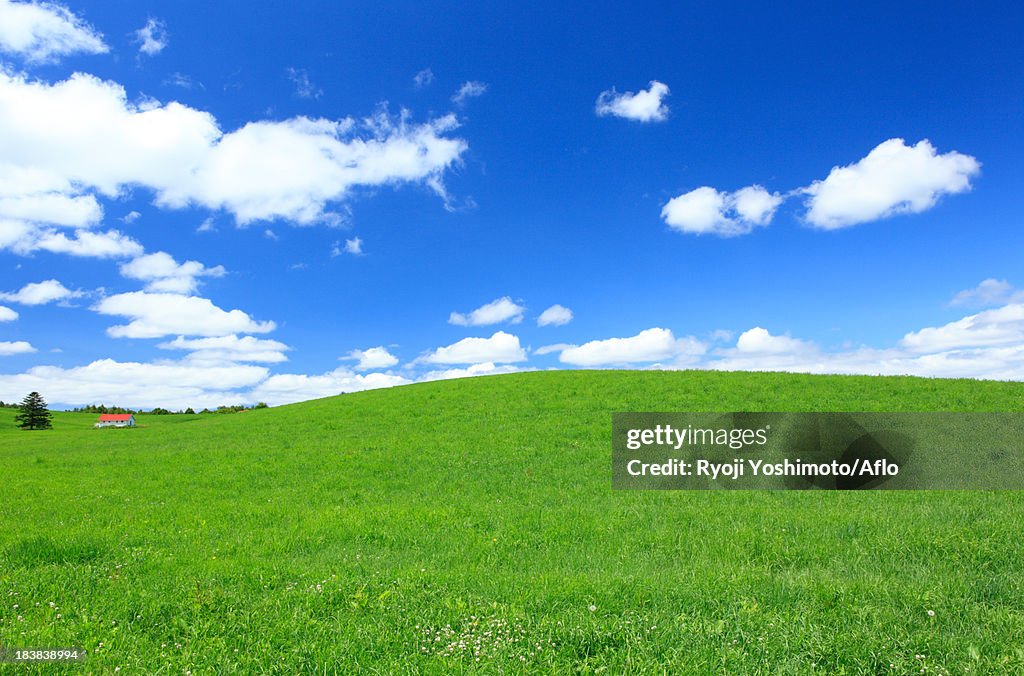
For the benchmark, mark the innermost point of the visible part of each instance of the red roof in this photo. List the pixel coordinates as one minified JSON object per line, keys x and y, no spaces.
{"x":115,"y":417}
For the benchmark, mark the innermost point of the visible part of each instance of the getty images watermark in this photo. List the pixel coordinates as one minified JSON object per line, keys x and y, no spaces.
{"x":818,"y":451}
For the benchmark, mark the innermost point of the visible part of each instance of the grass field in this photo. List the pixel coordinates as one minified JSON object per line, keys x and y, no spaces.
{"x":470,"y":525}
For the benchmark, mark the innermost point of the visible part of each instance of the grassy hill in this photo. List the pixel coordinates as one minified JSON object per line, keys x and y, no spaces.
{"x":471,"y":524}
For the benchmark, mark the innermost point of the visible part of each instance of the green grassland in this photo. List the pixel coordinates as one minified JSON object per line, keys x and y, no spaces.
{"x":470,"y":525}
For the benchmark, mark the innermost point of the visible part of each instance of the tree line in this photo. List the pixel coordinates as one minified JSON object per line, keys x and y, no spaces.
{"x":34,"y":414}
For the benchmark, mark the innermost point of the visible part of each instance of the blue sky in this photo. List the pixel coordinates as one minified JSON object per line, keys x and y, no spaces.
{"x":262,"y":196}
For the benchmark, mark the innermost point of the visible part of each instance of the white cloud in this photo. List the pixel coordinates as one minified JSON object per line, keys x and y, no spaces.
{"x":7,"y":314}
{"x":163,"y":274}
{"x":651,"y":345}
{"x":469,"y":90}
{"x":643,"y":106}
{"x":354,"y":246}
{"x":82,"y":134}
{"x":230,"y":348}
{"x":170,"y":384}
{"x":708,"y":211}
{"x":893,"y":178}
{"x":8,"y":348}
{"x":372,"y":358}
{"x":987,"y":345}
{"x":759,"y":341}
{"x":549,"y":349}
{"x":25,"y":238}
{"x":109,"y":244}
{"x":500,"y":348}
{"x":988,"y":293}
{"x":288,"y":388}
{"x":152,"y":38}
{"x":556,"y":315}
{"x":423,"y":78}
{"x":41,"y":32}
{"x":155,"y":315}
{"x":41,"y":293}
{"x":999,"y":326}
{"x":304,"y":87}
{"x":51,"y":207}
{"x":179,"y":384}
{"x":485,"y":369}
{"x":82,"y":131}
{"x":495,"y":312}
{"x":292,"y":169}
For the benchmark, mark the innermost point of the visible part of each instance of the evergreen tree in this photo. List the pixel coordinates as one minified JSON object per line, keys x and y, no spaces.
{"x":32,"y":414}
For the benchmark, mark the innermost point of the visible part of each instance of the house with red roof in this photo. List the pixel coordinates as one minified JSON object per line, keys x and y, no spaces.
{"x":116,"y":420}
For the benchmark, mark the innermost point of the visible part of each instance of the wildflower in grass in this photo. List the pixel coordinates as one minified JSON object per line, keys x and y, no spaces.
{"x":592,"y":608}
{"x":931,"y":613}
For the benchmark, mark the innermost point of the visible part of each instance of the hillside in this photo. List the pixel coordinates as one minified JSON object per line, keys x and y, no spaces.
{"x":471,"y":523}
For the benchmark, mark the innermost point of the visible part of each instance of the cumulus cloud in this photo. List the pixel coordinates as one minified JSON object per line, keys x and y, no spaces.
{"x":155,"y":315}
{"x":292,"y":169}
{"x":988,"y":293}
{"x":230,"y":348}
{"x":759,"y":341}
{"x":372,"y":358}
{"x":288,"y":388}
{"x":42,"y":32}
{"x":163,"y":274}
{"x":644,"y":106}
{"x":25,"y":238}
{"x":180,"y":384}
{"x":988,"y":345}
{"x":556,"y":315}
{"x":469,"y":90}
{"x":652,"y":345}
{"x":80,"y":136}
{"x":999,"y":326}
{"x":495,"y":312}
{"x":893,"y":178}
{"x":38,"y":196}
{"x":152,"y":38}
{"x":41,"y":293}
{"x":726,"y":214}
{"x":485,"y":369}
{"x":500,"y":348}
{"x":7,"y":314}
{"x":304,"y":87}
{"x":8,"y":348}
{"x":171,"y":384}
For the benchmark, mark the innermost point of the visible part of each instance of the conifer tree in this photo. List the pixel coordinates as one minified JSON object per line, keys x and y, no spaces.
{"x":33,"y":414}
